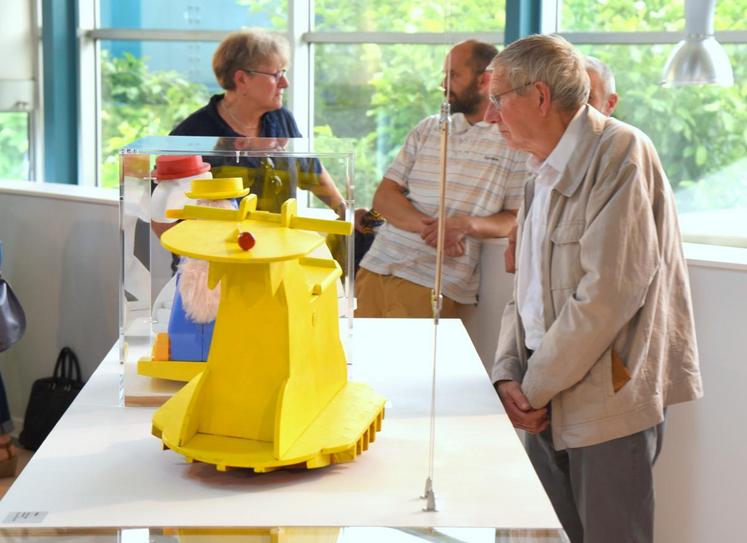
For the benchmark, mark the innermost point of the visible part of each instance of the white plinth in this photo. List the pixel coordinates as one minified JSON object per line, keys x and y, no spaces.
{"x":100,"y":467}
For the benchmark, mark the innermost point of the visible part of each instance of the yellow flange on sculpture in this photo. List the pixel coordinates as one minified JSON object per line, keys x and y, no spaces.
{"x":274,"y":392}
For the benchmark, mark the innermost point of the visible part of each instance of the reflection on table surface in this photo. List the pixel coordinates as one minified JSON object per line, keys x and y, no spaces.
{"x":282,"y":535}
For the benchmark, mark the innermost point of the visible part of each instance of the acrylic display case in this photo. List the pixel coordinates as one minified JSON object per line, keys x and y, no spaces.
{"x":153,"y":178}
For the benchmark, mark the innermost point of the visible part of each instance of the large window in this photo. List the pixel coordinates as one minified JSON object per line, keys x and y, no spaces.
{"x":699,"y":131}
{"x":14,"y":145}
{"x":151,"y":76}
{"x":371,"y":93}
{"x":18,"y":89}
{"x":375,"y":69}
{"x":700,"y":135}
{"x":146,"y":89}
{"x":378,"y":66}
{"x":373,"y":89}
{"x":639,"y":16}
{"x":193,"y":14}
{"x":409,"y":16}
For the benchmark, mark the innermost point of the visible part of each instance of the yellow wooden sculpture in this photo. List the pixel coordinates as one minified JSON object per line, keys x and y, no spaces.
{"x":314,"y":534}
{"x":274,"y":391}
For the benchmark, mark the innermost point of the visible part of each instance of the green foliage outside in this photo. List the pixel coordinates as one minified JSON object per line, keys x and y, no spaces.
{"x":14,"y":145}
{"x":390,"y":15}
{"x":622,"y":16}
{"x":373,"y":93}
{"x":697,"y":130}
{"x":642,"y":16}
{"x":700,"y":132}
{"x":137,"y":103}
{"x":398,"y":16}
{"x":377,"y":93}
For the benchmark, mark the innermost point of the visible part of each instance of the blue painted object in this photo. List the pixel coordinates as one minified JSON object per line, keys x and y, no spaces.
{"x":189,"y":341}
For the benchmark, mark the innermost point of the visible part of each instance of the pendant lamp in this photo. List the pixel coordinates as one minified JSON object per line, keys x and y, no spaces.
{"x":698,"y":59}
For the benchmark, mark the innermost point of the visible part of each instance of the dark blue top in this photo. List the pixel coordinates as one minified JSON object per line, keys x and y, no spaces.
{"x":272,"y":179}
{"x":206,"y":121}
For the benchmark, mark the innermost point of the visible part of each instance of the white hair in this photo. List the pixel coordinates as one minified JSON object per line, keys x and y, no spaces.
{"x":604,"y":72}
{"x":550,"y":59}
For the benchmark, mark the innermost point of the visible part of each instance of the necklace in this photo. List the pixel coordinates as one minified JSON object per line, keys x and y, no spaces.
{"x":244,"y":127}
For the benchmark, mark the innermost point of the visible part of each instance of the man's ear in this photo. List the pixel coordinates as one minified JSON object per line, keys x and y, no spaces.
{"x":611,"y":103}
{"x":544,"y":96}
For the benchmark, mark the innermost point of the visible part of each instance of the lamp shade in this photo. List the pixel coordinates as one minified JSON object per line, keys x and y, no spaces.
{"x":698,"y":60}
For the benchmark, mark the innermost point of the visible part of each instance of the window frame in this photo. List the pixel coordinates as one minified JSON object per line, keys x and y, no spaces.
{"x":303,"y":40}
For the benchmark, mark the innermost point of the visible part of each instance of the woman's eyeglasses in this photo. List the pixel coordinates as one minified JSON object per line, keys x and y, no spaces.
{"x":277,"y":76}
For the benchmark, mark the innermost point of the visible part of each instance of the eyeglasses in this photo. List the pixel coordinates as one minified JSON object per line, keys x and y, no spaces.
{"x":495,"y":99}
{"x":277,"y":76}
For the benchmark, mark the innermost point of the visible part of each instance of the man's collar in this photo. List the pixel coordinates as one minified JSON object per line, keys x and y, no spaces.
{"x":459,"y":124}
{"x":590,"y":126}
{"x":558,"y":158}
{"x":565,"y":147}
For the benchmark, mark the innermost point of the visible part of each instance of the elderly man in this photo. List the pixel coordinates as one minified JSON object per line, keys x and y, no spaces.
{"x":599,"y":338}
{"x":603,"y":98}
{"x":484,"y":186}
{"x":602,"y":95}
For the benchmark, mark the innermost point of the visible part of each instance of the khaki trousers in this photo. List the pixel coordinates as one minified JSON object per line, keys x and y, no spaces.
{"x":389,"y":296}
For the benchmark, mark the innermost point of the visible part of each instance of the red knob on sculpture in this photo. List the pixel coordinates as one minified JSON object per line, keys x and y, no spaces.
{"x":246,"y":241}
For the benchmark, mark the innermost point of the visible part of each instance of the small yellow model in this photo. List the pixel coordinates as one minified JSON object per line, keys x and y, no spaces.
{"x":274,"y":391}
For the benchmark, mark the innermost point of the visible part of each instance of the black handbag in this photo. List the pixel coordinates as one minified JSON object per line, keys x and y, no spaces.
{"x":12,"y":317}
{"x":50,"y":397}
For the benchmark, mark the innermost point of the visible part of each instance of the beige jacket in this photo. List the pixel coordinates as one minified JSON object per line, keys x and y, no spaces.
{"x":620,"y":342}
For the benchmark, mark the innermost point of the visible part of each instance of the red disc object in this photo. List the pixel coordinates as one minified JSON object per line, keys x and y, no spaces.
{"x":246,"y":241}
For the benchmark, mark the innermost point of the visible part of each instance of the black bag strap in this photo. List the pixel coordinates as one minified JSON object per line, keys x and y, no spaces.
{"x":59,"y":367}
{"x":73,"y":366}
{"x":67,"y":366}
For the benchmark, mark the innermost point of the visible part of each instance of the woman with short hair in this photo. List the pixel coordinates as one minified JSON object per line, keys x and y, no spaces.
{"x":250,"y":65}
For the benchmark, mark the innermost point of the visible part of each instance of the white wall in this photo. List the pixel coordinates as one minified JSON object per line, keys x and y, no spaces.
{"x":701,"y":480}
{"x":61,"y":258}
{"x":483,"y":321}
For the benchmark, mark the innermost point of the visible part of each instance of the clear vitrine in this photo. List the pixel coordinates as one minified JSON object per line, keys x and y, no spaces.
{"x":157,"y":174}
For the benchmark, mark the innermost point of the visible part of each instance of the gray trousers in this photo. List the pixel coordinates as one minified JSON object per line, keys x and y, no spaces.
{"x":603,"y":493}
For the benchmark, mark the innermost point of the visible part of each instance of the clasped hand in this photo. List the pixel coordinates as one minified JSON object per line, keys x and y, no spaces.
{"x":519,"y":410}
{"x":456,"y":230}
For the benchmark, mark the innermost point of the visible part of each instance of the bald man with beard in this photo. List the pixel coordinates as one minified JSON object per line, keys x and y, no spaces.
{"x":485,"y":180}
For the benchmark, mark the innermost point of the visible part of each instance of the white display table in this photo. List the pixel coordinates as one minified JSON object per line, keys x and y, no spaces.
{"x":100,"y":467}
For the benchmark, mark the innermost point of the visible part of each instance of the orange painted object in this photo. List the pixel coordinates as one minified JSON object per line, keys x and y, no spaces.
{"x":162,"y":347}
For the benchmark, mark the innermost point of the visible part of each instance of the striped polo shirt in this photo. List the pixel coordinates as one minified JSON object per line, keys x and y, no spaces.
{"x":484,"y":176}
